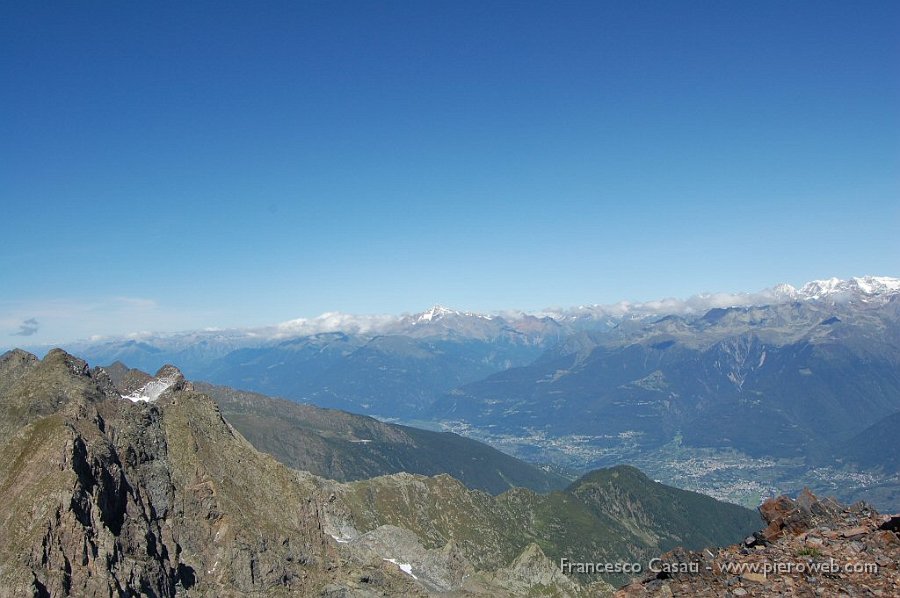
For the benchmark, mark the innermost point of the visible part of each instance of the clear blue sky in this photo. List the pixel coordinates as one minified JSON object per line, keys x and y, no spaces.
{"x":178,"y":165}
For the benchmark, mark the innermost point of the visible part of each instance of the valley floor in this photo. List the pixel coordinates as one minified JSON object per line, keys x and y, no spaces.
{"x":724,"y":474}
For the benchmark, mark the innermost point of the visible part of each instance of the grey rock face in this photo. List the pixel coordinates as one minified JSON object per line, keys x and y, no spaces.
{"x":102,"y":496}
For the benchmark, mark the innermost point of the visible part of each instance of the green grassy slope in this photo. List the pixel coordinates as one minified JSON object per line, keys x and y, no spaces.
{"x":344,"y":447}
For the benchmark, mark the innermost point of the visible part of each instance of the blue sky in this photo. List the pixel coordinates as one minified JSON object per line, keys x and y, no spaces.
{"x":166,"y":166}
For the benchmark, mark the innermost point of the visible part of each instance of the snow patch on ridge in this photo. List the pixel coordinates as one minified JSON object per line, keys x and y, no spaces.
{"x":152,"y":390}
{"x":405,"y":567}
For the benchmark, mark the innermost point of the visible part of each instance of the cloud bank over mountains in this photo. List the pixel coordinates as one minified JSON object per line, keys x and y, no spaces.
{"x":864,"y":289}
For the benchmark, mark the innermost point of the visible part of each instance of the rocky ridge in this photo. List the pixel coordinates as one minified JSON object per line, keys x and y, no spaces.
{"x":611,"y":515}
{"x":811,"y":547}
{"x":105,"y":496}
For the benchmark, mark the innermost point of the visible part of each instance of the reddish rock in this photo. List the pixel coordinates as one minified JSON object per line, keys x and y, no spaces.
{"x":857,"y":537}
{"x":854,"y":532}
{"x":885,"y":538}
{"x":755,"y":577}
{"x":775,"y":509}
{"x":784,"y":516}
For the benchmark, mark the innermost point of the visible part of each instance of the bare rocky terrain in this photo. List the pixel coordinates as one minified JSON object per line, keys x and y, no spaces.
{"x":811,"y":547}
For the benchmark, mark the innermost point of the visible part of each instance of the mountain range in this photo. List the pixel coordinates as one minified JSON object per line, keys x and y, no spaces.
{"x":790,"y":376}
{"x":784,"y":380}
{"x":117,"y":483}
{"x":349,"y":361}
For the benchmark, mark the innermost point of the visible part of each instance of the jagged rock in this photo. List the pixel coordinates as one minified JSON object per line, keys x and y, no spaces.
{"x":532,"y":571}
{"x":103,"y":496}
{"x":785,"y":515}
{"x":438,"y":570}
{"x":811,"y":554}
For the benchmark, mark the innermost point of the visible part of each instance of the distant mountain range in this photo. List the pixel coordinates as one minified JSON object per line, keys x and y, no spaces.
{"x":390,"y":365}
{"x":792,"y":379}
{"x":796,"y":374}
{"x":440,"y":321}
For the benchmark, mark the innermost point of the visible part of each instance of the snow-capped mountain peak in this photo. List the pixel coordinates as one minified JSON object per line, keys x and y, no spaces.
{"x":439,"y":312}
{"x":785,"y":291}
{"x":435,"y":313}
{"x":865,"y":288}
{"x":440,"y":320}
{"x":818,"y":289}
{"x":877,"y":285}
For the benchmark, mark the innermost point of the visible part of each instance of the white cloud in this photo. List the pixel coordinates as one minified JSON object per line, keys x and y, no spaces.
{"x":696,"y":304}
{"x":334,"y":322}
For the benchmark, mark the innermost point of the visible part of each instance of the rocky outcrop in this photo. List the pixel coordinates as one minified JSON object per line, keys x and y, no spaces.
{"x":787,"y":516}
{"x":447,"y":570}
{"x":103,"y":496}
{"x":811,"y":547}
{"x":533,"y":572}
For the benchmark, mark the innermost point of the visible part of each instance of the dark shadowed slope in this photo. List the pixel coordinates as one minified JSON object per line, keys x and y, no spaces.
{"x":343,"y":446}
